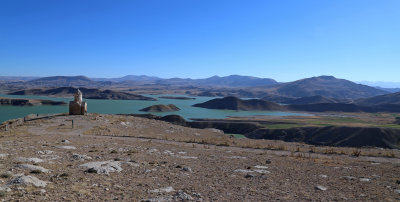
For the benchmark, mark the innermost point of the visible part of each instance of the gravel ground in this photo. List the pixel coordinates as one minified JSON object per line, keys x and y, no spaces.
{"x":107,"y":157}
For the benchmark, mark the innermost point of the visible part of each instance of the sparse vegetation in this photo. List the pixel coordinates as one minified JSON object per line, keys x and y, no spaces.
{"x":356,"y":152}
{"x":5,"y":175}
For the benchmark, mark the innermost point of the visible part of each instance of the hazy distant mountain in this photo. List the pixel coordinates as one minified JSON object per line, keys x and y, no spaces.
{"x":129,"y":78}
{"x":327,"y":86}
{"x":227,"y":81}
{"x":382,"y":84}
{"x":61,"y":80}
{"x":58,"y":81}
{"x":17,"y":78}
{"x":390,"y":90}
{"x":236,"y":81}
{"x":388,"y":99}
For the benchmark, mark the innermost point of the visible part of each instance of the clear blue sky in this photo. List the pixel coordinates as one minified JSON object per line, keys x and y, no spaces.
{"x":281,"y":39}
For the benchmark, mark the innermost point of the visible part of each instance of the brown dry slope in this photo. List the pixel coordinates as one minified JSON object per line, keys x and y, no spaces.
{"x":105,"y":157}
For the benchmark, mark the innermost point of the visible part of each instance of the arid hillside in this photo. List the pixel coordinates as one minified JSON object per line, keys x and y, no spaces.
{"x":109,"y":157}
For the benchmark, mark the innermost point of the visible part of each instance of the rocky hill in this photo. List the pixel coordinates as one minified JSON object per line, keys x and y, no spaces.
{"x":327,"y":86}
{"x":161,"y":108}
{"x":88,"y":93}
{"x":312,"y":100}
{"x":393,"y":98}
{"x":234,"y":103}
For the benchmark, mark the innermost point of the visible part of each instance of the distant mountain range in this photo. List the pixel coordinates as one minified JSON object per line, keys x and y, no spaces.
{"x":17,"y":78}
{"x":129,"y":78}
{"x":381,"y":84}
{"x":308,"y":90}
{"x":226,"y":81}
{"x":66,"y":81}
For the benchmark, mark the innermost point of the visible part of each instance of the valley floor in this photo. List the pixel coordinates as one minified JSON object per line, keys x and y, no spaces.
{"x":149,"y":160}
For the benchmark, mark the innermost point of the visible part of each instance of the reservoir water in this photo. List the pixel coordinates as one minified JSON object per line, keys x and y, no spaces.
{"x":131,"y":107}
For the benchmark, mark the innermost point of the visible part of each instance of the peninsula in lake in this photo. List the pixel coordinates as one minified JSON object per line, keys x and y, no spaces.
{"x":28,"y":102}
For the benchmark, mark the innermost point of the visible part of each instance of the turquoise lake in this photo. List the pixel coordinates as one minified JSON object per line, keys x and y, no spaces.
{"x":131,"y":107}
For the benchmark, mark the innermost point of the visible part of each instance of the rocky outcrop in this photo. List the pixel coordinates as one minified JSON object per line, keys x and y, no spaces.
{"x":161,"y":108}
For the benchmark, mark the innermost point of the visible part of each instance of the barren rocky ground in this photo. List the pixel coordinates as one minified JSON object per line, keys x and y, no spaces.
{"x":110,"y":157}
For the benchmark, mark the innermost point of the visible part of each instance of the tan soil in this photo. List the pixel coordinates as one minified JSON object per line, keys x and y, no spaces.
{"x":166,"y":168}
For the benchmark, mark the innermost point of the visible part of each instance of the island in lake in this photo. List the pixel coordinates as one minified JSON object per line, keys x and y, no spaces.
{"x":161,"y":108}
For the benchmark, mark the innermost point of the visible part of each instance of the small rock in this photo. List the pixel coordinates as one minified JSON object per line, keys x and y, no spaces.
{"x":134,"y":164}
{"x":103,"y":167}
{"x":261,"y":171}
{"x":32,"y":168}
{"x":3,"y":156}
{"x":268,"y":161}
{"x":323,"y":176}
{"x":182,"y":196}
{"x":261,"y":167}
{"x":152,"y":150}
{"x":243,"y":171}
{"x":33,"y":160}
{"x":249,"y":175}
{"x":397,"y":191}
{"x":322,"y":188}
{"x":66,"y":147}
{"x":349,"y":178}
{"x":167,"y":190}
{"x":5,"y":188}
{"x":188,"y":157}
{"x":49,"y":157}
{"x":187,"y":169}
{"x":65,"y":141}
{"x":80,"y":157}
{"x":26,"y":180}
{"x":365,"y":179}
{"x":40,"y":192}
{"x":46,"y":152}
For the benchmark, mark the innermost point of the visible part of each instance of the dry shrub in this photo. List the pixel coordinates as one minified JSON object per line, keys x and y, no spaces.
{"x":356,"y":153}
